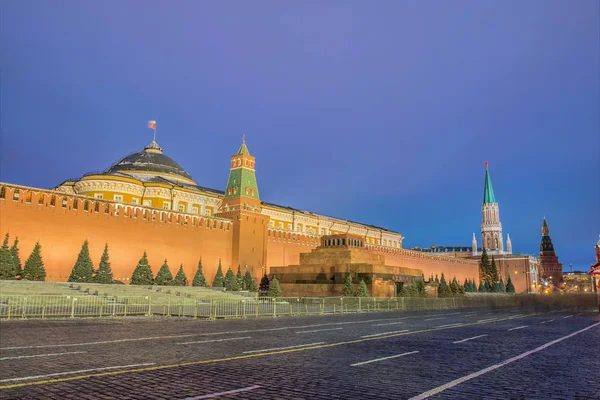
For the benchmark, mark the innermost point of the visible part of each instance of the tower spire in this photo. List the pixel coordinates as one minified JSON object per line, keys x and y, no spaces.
{"x":488,"y":190}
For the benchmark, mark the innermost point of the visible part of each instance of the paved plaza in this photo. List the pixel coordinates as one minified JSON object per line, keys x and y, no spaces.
{"x":453,"y":354}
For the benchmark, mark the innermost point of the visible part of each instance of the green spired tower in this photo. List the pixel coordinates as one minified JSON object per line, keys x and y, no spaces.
{"x":242,"y":205}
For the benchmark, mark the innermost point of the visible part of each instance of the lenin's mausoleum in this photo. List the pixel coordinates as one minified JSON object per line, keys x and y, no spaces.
{"x":148,"y":202}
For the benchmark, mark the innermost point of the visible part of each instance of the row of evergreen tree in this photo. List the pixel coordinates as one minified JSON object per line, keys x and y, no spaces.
{"x":10,"y":262}
{"x":490,"y":280}
{"x":234,"y":282}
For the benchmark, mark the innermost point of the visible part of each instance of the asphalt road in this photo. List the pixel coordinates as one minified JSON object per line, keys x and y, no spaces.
{"x":455,"y":354}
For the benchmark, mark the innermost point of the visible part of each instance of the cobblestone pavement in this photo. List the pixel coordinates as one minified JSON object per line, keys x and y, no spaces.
{"x":453,"y":354}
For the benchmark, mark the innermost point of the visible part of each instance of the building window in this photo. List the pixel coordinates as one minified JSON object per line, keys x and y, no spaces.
{"x":148,"y":203}
{"x":99,"y":196}
{"x":181,"y":208}
{"x":106,"y":209}
{"x":53,"y":200}
{"x":96,"y":207}
{"x":272,"y":224}
{"x":118,"y":197}
{"x":3,"y":192}
{"x":166,"y":205}
{"x":28,"y":197}
{"x":208,"y":212}
{"x":16,"y":195}
{"x":86,"y":205}
{"x":194,"y":210}
{"x":64,"y":202}
{"x":75,"y":204}
{"x":135,"y":200}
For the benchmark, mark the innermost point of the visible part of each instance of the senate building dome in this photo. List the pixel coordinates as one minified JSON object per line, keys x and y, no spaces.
{"x":149,"y":163}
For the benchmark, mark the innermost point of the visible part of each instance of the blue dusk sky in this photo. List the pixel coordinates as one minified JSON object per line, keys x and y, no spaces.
{"x":381,"y":112}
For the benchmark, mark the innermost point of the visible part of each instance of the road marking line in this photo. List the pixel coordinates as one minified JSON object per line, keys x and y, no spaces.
{"x":443,"y":326}
{"x":433,"y":319}
{"x":215,"y":340}
{"x":465,"y":378}
{"x":242,"y":357}
{"x":546,"y":322}
{"x":282,"y":348}
{"x":518,"y":327}
{"x":42,"y":355}
{"x":467,"y":339}
{"x":213,"y":395}
{"x":489,"y":319}
{"x":92,"y":343}
{"x":383,"y":333}
{"x":69,"y":373}
{"x":321,"y":330}
{"x":382,"y":359}
{"x":391,"y":323}
{"x":568,"y":316}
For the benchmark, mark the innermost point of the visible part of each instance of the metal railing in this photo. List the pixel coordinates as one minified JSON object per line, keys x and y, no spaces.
{"x":68,"y":306}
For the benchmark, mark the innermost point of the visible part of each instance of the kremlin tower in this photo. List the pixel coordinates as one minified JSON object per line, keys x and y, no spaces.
{"x":548,"y":261}
{"x":491,"y":227}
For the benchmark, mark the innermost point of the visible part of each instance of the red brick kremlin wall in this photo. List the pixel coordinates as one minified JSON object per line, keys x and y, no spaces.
{"x":129,"y":231}
{"x":181,"y":238}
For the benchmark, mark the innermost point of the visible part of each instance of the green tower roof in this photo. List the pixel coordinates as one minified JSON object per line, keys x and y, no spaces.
{"x":243,"y":148}
{"x":488,"y":190}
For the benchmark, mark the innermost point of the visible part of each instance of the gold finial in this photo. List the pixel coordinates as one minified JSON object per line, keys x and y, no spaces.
{"x":244,"y":138}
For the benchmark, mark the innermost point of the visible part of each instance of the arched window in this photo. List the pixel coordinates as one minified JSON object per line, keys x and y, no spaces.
{"x":86,"y":205}
{"x":96,"y":207}
{"x":2,"y":192}
{"x":64,"y":202}
{"x":53,"y":200}
{"x":75,"y":204}
{"x":16,"y":195}
{"x":28,"y":196}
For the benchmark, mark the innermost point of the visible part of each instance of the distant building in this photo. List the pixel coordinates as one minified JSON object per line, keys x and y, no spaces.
{"x":522,"y":268}
{"x":595,"y":270}
{"x":550,"y":268}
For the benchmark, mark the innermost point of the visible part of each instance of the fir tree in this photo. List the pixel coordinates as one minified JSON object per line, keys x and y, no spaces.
{"x":436,"y":279}
{"x":443,"y":289}
{"x":253,"y":287}
{"x":83,"y":270}
{"x":164,"y":276}
{"x":510,"y":288}
{"x":484,"y":265}
{"x":240,"y":279}
{"x":16,"y":259}
{"x":501,"y":287}
{"x":230,"y":281}
{"x":142,"y":274}
{"x":7,"y":265}
{"x":104,"y":273}
{"x":454,"y":287}
{"x":348,"y":286}
{"x":180,"y":278}
{"x":494,"y":278}
{"x":34,"y":266}
{"x":274,"y":288}
{"x":199,"y":279}
{"x":413,"y":291}
{"x":219,"y":280}
{"x":363,"y":290}
{"x":421,"y":291}
{"x":481,"y":287}
{"x":263,"y":288}
{"x":487,"y":286}
{"x":247,"y":280}
{"x":466,"y":286}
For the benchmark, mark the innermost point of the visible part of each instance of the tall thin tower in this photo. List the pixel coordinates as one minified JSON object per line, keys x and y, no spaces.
{"x":491,"y":227}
